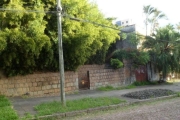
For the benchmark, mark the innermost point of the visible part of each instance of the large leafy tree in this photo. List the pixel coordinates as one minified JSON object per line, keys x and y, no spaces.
{"x":164,"y":48}
{"x":22,"y":34}
{"x":81,"y":39}
{"x":28,"y":39}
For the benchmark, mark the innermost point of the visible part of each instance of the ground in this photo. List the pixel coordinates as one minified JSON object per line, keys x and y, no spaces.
{"x":168,"y":109}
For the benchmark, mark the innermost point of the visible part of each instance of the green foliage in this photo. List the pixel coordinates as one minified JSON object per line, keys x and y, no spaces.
{"x":4,"y":101}
{"x":23,"y":39}
{"x":142,"y":83}
{"x":27,"y":116}
{"x":164,"y":49}
{"x":178,"y":94}
{"x":72,"y":105}
{"x":152,"y":15}
{"x":21,"y":51}
{"x":115,"y":63}
{"x":110,"y":88}
{"x":106,"y":88}
{"x":137,"y":57}
{"x":134,"y":38}
{"x":6,"y":111}
{"x":81,"y":41}
{"x":28,"y":41}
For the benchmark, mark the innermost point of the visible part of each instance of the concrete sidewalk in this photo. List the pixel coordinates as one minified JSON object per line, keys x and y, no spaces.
{"x":25,"y":105}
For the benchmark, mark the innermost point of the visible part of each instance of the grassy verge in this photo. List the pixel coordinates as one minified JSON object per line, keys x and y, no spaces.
{"x":73,"y":105}
{"x":134,"y":107}
{"x":133,"y":85}
{"x":6,"y":111}
{"x":109,"y":88}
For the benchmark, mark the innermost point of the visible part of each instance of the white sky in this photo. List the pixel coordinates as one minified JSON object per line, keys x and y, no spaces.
{"x":133,"y":9}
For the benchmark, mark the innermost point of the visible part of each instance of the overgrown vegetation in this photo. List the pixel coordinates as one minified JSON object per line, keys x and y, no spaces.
{"x":72,"y":105}
{"x":28,"y":41}
{"x":115,"y":63}
{"x":6,"y":110}
{"x":164,"y":49}
{"x":135,"y":56}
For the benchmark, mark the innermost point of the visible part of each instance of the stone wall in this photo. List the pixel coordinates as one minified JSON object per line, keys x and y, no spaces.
{"x":129,"y":74}
{"x":84,"y":75}
{"x":47,"y":84}
{"x":42,"y":84}
{"x":106,"y":77}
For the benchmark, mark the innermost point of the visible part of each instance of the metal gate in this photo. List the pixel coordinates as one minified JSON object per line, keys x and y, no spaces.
{"x":141,"y":73}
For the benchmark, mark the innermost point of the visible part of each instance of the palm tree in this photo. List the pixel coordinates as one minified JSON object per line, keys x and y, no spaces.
{"x":148,"y":10}
{"x":164,"y":50}
{"x":152,"y":16}
{"x":154,"y":20}
{"x":178,"y":26}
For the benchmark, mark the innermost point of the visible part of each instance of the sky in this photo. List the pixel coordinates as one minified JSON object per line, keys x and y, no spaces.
{"x":133,"y":9}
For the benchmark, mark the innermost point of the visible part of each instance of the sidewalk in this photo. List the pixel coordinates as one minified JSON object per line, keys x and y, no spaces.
{"x":25,"y":105}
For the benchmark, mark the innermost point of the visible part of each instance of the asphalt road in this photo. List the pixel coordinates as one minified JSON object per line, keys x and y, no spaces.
{"x":168,"y":109}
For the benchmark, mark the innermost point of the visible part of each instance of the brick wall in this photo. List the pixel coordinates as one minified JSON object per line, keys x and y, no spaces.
{"x":43,"y":84}
{"x":106,"y":77}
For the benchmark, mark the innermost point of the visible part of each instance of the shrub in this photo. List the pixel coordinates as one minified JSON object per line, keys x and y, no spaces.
{"x":115,"y":63}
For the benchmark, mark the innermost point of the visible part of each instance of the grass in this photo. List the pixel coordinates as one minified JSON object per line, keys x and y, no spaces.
{"x":6,"y":110}
{"x":178,"y":94}
{"x":134,"y":107}
{"x":73,"y":105}
{"x":143,"y":83}
{"x":110,"y":88}
{"x":131,"y":86}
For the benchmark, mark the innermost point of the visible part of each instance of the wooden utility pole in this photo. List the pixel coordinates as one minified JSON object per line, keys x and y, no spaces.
{"x":61,"y":59}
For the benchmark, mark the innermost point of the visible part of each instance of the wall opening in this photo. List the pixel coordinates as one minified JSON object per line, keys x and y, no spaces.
{"x":84,"y":82}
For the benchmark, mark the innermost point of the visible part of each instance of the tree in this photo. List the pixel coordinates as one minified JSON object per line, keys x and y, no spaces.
{"x":81,"y":40}
{"x":148,"y":10}
{"x":178,"y":26}
{"x":164,"y":49}
{"x":152,"y":15}
{"x":136,"y":57}
{"x":23,"y":37}
{"x":28,"y":40}
{"x":154,"y":20}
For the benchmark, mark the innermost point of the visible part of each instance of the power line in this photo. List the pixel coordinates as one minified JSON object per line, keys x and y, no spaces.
{"x":88,"y":21}
{"x":29,"y":11}
{"x":63,"y":15}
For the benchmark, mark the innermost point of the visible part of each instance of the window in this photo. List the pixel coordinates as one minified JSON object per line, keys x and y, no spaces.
{"x":126,"y":21}
{"x":122,"y":22}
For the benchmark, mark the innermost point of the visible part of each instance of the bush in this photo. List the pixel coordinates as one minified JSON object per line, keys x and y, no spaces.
{"x":137,"y":57}
{"x":115,"y":63}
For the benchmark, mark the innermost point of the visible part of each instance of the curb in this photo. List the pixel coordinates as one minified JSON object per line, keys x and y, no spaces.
{"x":103,"y":108}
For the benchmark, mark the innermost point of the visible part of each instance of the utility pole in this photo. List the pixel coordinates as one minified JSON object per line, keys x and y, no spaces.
{"x":61,"y":59}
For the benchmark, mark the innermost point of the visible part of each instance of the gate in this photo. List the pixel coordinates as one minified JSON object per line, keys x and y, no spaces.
{"x":84,"y":82}
{"x":141,"y":74}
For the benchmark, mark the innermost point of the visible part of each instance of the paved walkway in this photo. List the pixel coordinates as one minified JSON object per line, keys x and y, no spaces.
{"x":25,"y":105}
